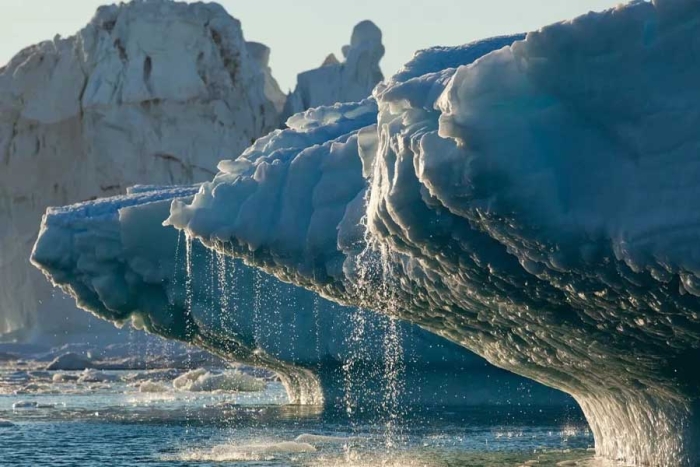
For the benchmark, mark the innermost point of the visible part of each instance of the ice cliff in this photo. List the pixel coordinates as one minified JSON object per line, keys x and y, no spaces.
{"x":147,"y":92}
{"x":537,"y":206}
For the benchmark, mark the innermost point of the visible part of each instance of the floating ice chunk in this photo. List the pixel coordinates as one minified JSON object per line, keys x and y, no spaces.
{"x":94,"y":376}
{"x":25,"y":405}
{"x":70,"y":362}
{"x":64,"y":378}
{"x":152,"y":387}
{"x":202,"y":380}
{"x":186,"y":380}
{"x":251,"y":452}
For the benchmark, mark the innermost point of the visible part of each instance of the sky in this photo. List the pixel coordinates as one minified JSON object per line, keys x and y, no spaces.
{"x":302,"y":33}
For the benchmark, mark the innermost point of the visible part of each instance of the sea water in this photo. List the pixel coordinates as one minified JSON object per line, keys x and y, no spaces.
{"x":104,"y":418}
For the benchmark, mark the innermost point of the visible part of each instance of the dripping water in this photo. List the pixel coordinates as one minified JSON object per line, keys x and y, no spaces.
{"x":227,"y":290}
{"x":317,"y":324}
{"x":394,"y":365}
{"x":257,"y":306}
{"x":189,"y":299}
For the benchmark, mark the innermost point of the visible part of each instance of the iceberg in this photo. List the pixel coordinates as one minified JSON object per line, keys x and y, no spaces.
{"x":119,"y":261}
{"x":148,"y":92}
{"x":534,"y":203}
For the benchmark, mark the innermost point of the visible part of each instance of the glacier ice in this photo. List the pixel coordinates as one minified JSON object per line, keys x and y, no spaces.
{"x":536,"y":206}
{"x":148,"y":92}
{"x":121,"y":263}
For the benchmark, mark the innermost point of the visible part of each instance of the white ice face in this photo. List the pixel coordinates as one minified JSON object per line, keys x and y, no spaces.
{"x":148,"y":92}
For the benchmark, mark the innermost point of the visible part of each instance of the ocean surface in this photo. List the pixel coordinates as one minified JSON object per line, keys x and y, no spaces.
{"x":104,"y":418}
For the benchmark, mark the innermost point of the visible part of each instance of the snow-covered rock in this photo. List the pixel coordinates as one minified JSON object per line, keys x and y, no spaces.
{"x":148,"y":92}
{"x":538,"y":206}
{"x":70,"y":362}
{"x":351,"y":80}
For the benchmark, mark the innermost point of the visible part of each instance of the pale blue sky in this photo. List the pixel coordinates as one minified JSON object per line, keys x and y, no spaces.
{"x":301,"y":33}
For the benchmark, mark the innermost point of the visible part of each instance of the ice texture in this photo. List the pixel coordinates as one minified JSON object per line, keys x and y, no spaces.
{"x":119,"y":261}
{"x":538,"y":206}
{"x":148,"y":92}
{"x":152,"y":92}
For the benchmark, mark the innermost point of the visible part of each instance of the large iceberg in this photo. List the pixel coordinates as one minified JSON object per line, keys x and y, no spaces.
{"x":148,"y":92}
{"x":122,"y":264}
{"x":536,"y":206}
{"x":159,"y":92}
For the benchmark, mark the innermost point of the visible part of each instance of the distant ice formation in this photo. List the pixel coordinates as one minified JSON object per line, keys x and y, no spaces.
{"x":537,"y":206}
{"x":351,"y":80}
{"x":148,"y":92}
